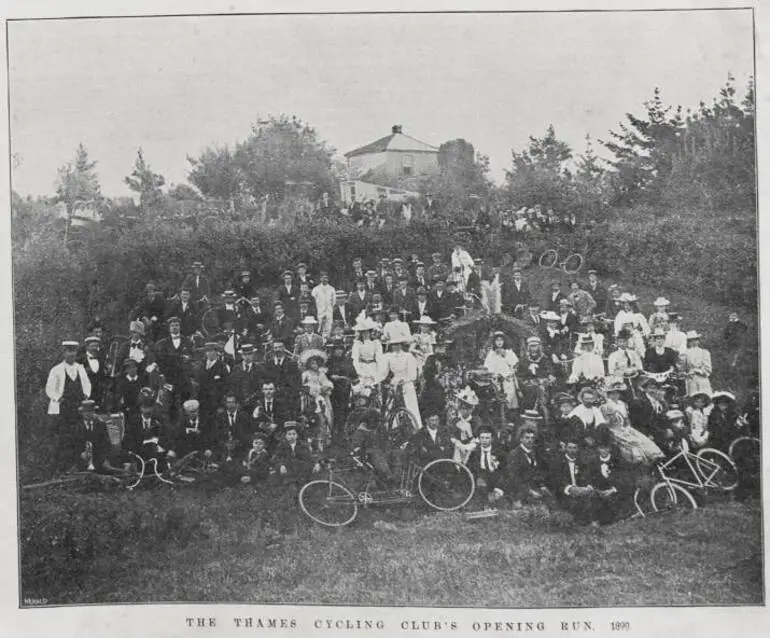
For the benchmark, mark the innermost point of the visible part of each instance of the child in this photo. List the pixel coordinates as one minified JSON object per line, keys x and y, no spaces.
{"x":697,"y":417}
{"x":257,"y":463}
{"x":319,"y":387}
{"x":293,"y":459}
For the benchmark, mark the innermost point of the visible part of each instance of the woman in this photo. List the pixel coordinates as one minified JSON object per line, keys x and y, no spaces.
{"x":503,"y":362}
{"x":696,"y":366}
{"x":631,"y":314}
{"x":659,"y":318}
{"x":423,"y":342}
{"x":723,"y":421}
{"x":697,"y":419}
{"x":403,"y":367}
{"x":366,"y":353}
{"x":634,"y":447}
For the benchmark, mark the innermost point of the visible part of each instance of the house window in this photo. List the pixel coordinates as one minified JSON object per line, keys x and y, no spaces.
{"x":407,"y":165}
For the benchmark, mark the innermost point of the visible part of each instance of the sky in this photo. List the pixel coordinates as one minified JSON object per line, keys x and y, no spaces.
{"x":175,"y":85}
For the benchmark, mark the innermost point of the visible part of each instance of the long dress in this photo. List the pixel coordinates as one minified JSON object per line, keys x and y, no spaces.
{"x":422,"y":348}
{"x":634,"y":447}
{"x":320,"y":388}
{"x":696,"y":365}
{"x":463,"y":440}
{"x":505,"y":365}
{"x":367,"y":357}
{"x":403,"y":365}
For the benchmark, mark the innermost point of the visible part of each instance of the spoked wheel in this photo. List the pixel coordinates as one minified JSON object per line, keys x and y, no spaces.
{"x":573,"y":263}
{"x":670,"y":496}
{"x":401,"y":420}
{"x":717,"y":469}
{"x":744,"y":451}
{"x":549,"y":258}
{"x":210,"y":322}
{"x":328,"y":503}
{"x":446,"y":485}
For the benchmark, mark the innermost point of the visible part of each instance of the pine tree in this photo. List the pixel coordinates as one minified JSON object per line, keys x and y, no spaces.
{"x":143,"y":181}
{"x":78,"y":185}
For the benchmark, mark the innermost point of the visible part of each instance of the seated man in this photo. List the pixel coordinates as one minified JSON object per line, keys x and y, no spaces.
{"x":612,"y":481}
{"x":570,"y":483}
{"x":269,"y":411}
{"x":145,"y":436}
{"x":257,"y":465}
{"x":526,"y":475}
{"x":193,"y":434}
{"x":90,"y":442}
{"x":369,"y":442}
{"x":431,"y":442}
{"x":292,"y":459}
{"x":231,"y":435}
{"x":487,"y":463}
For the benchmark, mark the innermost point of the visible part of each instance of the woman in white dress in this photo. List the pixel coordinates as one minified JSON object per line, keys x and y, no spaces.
{"x":628,"y":314}
{"x":367,"y":353}
{"x":423,"y":341}
{"x":403,"y":366}
{"x":503,"y":362}
{"x":696,"y":366}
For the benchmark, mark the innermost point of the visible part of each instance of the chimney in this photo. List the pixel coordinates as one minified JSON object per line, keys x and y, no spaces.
{"x":396,"y":129}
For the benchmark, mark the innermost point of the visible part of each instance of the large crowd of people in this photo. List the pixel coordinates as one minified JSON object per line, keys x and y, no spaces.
{"x":588,"y":392}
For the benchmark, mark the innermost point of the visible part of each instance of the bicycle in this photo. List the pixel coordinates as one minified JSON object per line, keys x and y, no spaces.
{"x":568,"y":261}
{"x":396,"y":416}
{"x":443,"y":484}
{"x":707,"y":469}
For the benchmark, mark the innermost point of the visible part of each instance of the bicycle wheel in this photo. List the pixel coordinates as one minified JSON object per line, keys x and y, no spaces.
{"x":401,"y":420}
{"x":744,"y":450}
{"x":717,"y":469}
{"x":549,"y":258}
{"x":210,"y":322}
{"x":446,"y":485}
{"x":328,"y":503}
{"x":573,"y":263}
{"x":670,"y":496}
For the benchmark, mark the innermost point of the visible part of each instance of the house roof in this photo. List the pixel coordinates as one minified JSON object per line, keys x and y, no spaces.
{"x":396,"y":141}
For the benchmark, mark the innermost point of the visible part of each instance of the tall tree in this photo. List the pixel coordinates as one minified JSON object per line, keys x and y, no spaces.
{"x":78,"y":184}
{"x":215,"y":173}
{"x":143,"y":181}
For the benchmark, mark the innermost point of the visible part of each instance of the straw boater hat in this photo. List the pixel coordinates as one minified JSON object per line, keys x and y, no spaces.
{"x":722,"y":394}
{"x":614,"y":384}
{"x":468,"y":396}
{"x":660,"y":302}
{"x":399,"y":339}
{"x":693,"y":334}
{"x":191,"y":405}
{"x":136,"y":326}
{"x":564,"y":397}
{"x":425,"y":320}
{"x":659,"y":332}
{"x":70,"y":345}
{"x":533,"y":340}
{"x":531,"y":416}
{"x":309,"y":320}
{"x":87,"y":405}
{"x":93,"y":339}
{"x":626,"y":296}
{"x":549,"y":315}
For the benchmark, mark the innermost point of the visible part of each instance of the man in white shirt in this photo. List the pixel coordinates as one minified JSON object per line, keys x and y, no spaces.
{"x":325,"y":296}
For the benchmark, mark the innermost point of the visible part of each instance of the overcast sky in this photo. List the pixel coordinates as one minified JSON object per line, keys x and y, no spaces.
{"x":175,"y":85}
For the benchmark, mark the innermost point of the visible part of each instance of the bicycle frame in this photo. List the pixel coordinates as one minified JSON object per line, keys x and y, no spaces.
{"x":689,"y":458}
{"x":367,"y":496}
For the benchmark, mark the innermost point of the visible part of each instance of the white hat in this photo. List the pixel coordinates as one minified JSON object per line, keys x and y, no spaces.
{"x":70,"y":344}
{"x":533,"y":340}
{"x":136,"y":326}
{"x":661,"y":301}
{"x":467,"y":395}
{"x":399,"y":338}
{"x":364,"y":325}
{"x":659,"y":332}
{"x":309,"y":320}
{"x":190,"y":405}
{"x":585,"y":339}
{"x":628,"y":297}
{"x":692,"y":334}
{"x":549,"y":315}
{"x":425,"y":320}
{"x":722,"y":394}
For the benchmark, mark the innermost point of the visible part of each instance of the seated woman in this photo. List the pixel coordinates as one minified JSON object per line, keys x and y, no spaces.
{"x":633,"y":446}
{"x":503,"y":362}
{"x":588,"y":367}
{"x":697,"y":419}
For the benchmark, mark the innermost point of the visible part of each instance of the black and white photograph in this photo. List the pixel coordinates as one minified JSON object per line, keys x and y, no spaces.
{"x":398,"y":310}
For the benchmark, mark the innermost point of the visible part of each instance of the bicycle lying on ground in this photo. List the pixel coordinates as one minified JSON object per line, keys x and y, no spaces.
{"x":443,"y":484}
{"x":708,"y":469}
{"x":570,"y":262}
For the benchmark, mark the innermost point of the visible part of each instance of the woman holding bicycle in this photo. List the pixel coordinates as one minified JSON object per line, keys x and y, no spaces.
{"x":503,"y":362}
{"x":401,"y":366}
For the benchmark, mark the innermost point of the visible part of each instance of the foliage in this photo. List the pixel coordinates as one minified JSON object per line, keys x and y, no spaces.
{"x":143,"y":181}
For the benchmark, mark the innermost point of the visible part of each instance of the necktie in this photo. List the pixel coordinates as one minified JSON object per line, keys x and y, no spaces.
{"x":232,"y":418}
{"x":485,"y":465}
{"x":269,"y":408}
{"x":628,"y":358}
{"x":146,"y":424}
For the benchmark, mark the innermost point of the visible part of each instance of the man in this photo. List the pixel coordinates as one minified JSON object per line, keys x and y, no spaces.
{"x":647,"y":413}
{"x":597,"y":291}
{"x":230,"y":312}
{"x":611,"y":479}
{"x":487,"y":463}
{"x":532,"y":316}
{"x":288,"y":294}
{"x":437,"y":270}
{"x":245,"y":380}
{"x":232,"y":432}
{"x":305,"y":298}
{"x":137,"y":348}
{"x":526,"y":480}
{"x":340,"y":313}
{"x":325,"y":297}
{"x":212,"y":380}
{"x":403,"y":297}
{"x":150,"y":311}
{"x":284,"y":372}
{"x":658,"y":357}
{"x":254,"y":319}
{"x":420,"y":279}
{"x":358,"y":274}
{"x":582,"y":302}
{"x":88,"y":443}
{"x":186,"y":311}
{"x":145,"y":436}
{"x":429,"y":206}
{"x":128,"y":387}
{"x":430,"y":443}
{"x":243,"y":287}
{"x":281,"y":328}
{"x":94,"y":366}
{"x":387,"y":288}
{"x":341,"y":373}
{"x":516,"y":296}
{"x":614,"y":302}
{"x":326,"y":208}
{"x":586,"y":420}
{"x":441,"y":302}
{"x":473,"y":282}
{"x":173,"y":353}
{"x":359,"y":301}
{"x":303,"y":277}
{"x":194,"y":432}
{"x":735,"y":337}
{"x":535,"y":374}
{"x":570,"y":483}
{"x":553,"y":302}
{"x":293,"y":459}
{"x":423,"y":306}
{"x":269,"y":411}
{"x":372,"y":285}
{"x":197,"y":283}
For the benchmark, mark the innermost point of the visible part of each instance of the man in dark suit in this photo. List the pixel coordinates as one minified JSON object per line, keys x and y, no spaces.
{"x":403,"y":297}
{"x":231,"y":435}
{"x":422,"y":306}
{"x":647,"y":413}
{"x":431,"y":442}
{"x":194,"y":432}
{"x":570,"y":483}
{"x":357,"y":274}
{"x":420,"y":278}
{"x":441,"y":301}
{"x":487,"y":463}
{"x":612,"y":479}
{"x":212,"y":380}
{"x":372,"y":282}
{"x":303,"y":277}
{"x":597,"y":291}
{"x":254,"y":319}
{"x":245,"y":380}
{"x":282,"y":326}
{"x":284,"y":372}
{"x":293,"y":460}
{"x":554,"y":297}
{"x":288,"y":294}
{"x":146,"y":436}
{"x":197,"y":283}
{"x":138,"y":348}
{"x":128,"y":386}
{"x":358,"y":300}
{"x":151,"y":311}
{"x":187,"y":312}
{"x":269,"y":412}
{"x":230,"y":312}
{"x":515,"y":296}
{"x":173,"y":353}
{"x":526,"y":472}
{"x":387,"y":288}
{"x":89,"y":443}
{"x":340,"y":312}
{"x":93,"y":362}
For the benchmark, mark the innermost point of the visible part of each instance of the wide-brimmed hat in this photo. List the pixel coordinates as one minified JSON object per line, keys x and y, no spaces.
{"x":700,"y":393}
{"x":648,"y":381}
{"x":87,"y":405}
{"x":549,"y":315}
{"x":190,"y":405}
{"x":309,"y":320}
{"x":399,"y":339}
{"x":661,"y":301}
{"x":594,"y":395}
{"x":693,"y":334}
{"x":627,"y":296}
{"x":70,"y":345}
{"x":563,"y":397}
{"x":365,"y":324}
{"x":425,"y":320}
{"x":722,"y":394}
{"x":614,"y":384}
{"x":311,"y":353}
{"x":468,"y":396}
{"x":658,"y":332}
{"x":136,"y":326}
